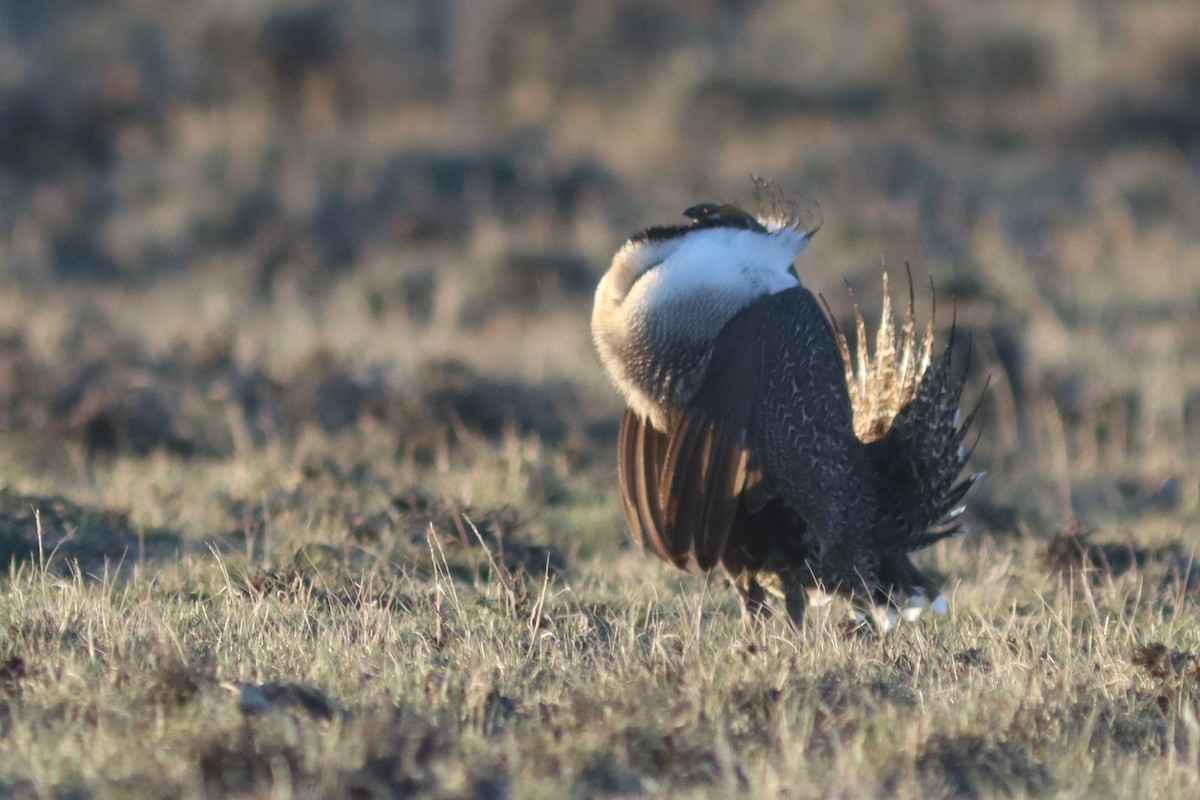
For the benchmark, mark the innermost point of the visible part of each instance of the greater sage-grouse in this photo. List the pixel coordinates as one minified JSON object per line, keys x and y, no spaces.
{"x":752,"y":439}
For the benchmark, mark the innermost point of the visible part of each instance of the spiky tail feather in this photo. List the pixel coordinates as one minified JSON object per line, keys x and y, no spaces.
{"x":906,"y":410}
{"x":882,"y":384}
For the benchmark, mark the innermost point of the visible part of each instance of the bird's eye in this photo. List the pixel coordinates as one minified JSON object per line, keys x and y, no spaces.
{"x":703,"y":211}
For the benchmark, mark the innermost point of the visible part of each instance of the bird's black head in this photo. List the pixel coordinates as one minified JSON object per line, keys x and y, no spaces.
{"x":723,"y":215}
{"x":704,"y":215}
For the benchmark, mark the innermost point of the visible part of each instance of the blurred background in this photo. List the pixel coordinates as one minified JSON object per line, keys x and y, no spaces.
{"x":229,"y":224}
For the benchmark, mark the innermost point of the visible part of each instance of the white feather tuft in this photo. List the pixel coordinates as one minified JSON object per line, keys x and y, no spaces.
{"x":735,"y":263}
{"x":939,"y":605}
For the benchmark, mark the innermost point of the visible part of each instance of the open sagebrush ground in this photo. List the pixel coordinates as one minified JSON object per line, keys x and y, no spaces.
{"x":307,"y":465}
{"x":345,"y":640}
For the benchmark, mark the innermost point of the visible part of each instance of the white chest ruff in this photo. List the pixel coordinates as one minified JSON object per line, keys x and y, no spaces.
{"x":662,"y":304}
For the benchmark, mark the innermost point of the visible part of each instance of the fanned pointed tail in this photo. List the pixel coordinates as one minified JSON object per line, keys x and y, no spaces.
{"x":906,"y":411}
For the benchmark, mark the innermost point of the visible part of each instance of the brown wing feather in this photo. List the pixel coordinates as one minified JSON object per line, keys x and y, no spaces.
{"x":723,"y":486}
{"x":704,"y":473}
{"x":756,"y":493}
{"x":626,"y":469}
{"x":642,"y":456}
{"x":652,"y":463}
{"x":684,"y":480}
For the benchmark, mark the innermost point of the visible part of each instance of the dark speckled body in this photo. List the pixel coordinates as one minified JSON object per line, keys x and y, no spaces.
{"x":739,"y":444}
{"x":801,"y":429}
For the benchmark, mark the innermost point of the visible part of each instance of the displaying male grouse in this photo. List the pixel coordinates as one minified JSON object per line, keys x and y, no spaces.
{"x":752,"y":440}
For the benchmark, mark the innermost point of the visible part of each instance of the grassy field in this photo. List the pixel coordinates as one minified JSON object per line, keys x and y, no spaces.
{"x":307,"y":470}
